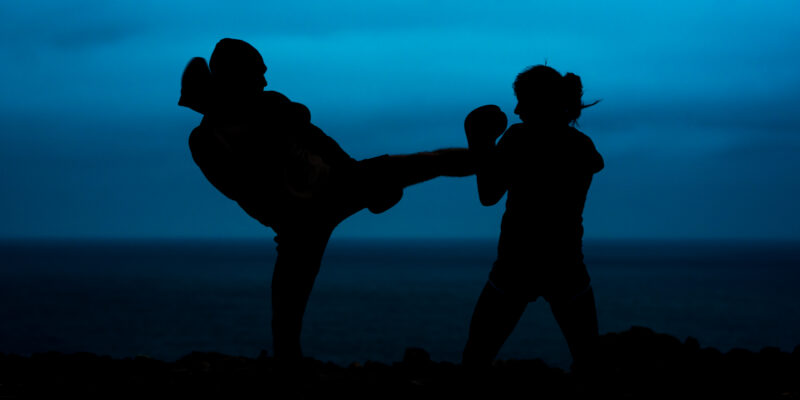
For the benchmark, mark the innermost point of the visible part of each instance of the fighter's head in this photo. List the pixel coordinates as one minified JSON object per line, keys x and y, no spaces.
{"x":544,"y":95}
{"x":237,"y":67}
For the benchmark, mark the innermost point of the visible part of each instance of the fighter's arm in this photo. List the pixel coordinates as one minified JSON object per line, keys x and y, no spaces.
{"x":295,"y":117}
{"x":217,"y":162}
{"x":483,"y":126}
{"x":491,"y":177}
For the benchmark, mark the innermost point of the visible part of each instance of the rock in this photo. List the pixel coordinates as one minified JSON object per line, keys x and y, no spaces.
{"x":416,"y":357}
{"x":691,"y":344}
{"x":638,"y":363}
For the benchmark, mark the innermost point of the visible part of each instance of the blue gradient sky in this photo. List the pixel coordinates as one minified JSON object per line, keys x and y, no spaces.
{"x":698,"y":123}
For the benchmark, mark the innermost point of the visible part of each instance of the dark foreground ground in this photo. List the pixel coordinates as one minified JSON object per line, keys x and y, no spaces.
{"x":636,"y":364}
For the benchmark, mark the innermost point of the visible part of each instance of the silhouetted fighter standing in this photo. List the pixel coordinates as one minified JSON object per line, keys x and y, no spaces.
{"x":546,"y":166}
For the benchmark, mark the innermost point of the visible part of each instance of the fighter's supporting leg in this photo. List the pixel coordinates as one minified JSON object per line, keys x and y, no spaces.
{"x":495,"y":316}
{"x":577,"y":317}
{"x":299,"y":256}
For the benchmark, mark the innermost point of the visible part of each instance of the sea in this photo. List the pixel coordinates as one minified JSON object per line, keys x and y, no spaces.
{"x":375,"y":298}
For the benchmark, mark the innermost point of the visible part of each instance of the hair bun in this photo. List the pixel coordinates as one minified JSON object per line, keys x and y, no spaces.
{"x":573,"y":85}
{"x":573,"y":92}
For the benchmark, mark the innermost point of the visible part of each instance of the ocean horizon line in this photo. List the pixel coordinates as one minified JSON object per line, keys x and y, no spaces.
{"x":383,"y":240}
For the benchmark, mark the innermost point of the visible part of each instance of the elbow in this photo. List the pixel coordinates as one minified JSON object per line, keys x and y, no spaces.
{"x":489,"y":191}
{"x":487,"y":200}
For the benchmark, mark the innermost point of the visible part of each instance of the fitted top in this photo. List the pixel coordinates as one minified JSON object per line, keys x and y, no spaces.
{"x":547,"y":173}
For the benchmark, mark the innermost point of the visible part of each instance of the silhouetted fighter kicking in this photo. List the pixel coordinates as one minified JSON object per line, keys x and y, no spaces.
{"x":261,"y":150}
{"x":546,"y":166}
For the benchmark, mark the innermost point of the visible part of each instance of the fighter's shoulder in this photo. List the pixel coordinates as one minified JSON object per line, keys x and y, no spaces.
{"x":202,"y":140}
{"x":198,"y":134}
{"x":274,"y":97}
{"x":589,"y":150}
{"x":581,"y":137}
{"x":208,"y":135}
{"x":516,"y":129}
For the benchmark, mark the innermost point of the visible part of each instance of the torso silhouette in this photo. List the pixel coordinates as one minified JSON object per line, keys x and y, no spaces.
{"x":547,"y":173}
{"x":266,"y":155}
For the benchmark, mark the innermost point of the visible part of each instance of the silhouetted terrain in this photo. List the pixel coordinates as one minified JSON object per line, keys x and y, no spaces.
{"x":637,"y":363}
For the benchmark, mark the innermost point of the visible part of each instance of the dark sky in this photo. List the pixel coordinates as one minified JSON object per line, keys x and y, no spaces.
{"x":698,"y":121}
